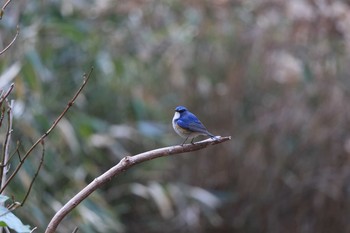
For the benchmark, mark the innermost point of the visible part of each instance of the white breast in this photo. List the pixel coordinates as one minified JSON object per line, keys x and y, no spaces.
{"x":177,"y":116}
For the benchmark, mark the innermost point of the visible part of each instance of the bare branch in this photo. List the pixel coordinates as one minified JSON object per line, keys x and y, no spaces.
{"x":69,"y":105}
{"x":3,"y":8}
{"x":11,"y":43}
{"x":19,"y":155}
{"x":2,"y":115}
{"x":36,"y":173}
{"x":3,"y":97}
{"x":16,"y":151}
{"x":122,"y":166}
{"x":5,"y":155}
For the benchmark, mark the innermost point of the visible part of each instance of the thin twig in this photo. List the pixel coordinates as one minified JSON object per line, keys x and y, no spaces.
{"x":5,"y":156}
{"x":16,"y":151}
{"x":13,"y":153}
{"x":122,"y":166}
{"x":14,"y":205}
{"x":2,"y":115}
{"x":11,"y":43}
{"x":5,"y":5}
{"x":3,"y":97}
{"x":19,"y":156}
{"x":36,"y":173}
{"x":3,"y":8}
{"x":70,"y":104}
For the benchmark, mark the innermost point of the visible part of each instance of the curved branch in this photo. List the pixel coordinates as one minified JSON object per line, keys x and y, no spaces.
{"x":3,"y":8}
{"x":13,"y":41}
{"x":122,"y":166}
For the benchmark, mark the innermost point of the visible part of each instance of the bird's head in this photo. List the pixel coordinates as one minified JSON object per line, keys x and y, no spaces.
{"x":180,"y":109}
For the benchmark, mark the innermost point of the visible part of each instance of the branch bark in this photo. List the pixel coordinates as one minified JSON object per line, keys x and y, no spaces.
{"x":122,"y":166}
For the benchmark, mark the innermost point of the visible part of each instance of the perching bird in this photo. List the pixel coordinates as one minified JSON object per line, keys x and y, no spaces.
{"x":187,"y":125}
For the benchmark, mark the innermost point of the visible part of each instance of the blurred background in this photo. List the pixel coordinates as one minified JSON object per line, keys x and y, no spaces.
{"x":273,"y":74}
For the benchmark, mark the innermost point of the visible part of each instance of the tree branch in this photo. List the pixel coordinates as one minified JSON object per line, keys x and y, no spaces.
{"x":3,"y":97}
{"x":3,"y":8}
{"x":36,"y":173}
{"x":122,"y":166}
{"x":54,"y":124}
{"x":6,"y":155}
{"x":13,"y":41}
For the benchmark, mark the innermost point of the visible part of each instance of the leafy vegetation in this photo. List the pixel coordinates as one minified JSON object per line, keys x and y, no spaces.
{"x":273,"y":74}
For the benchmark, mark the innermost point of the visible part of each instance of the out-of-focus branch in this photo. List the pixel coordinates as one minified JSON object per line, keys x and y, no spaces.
{"x":6,"y":153}
{"x":13,"y":41}
{"x":36,"y":173}
{"x":122,"y":166}
{"x":70,"y":104}
{"x":3,"y":97}
{"x":16,"y":151}
{"x":3,"y":8}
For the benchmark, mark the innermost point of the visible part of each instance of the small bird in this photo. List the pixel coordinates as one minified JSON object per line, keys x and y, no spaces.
{"x":187,"y":125}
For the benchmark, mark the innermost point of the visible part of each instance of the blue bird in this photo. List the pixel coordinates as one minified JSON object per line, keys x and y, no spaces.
{"x":187,"y":125}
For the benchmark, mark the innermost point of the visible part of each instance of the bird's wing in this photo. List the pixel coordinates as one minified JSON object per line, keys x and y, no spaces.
{"x":191,"y":122}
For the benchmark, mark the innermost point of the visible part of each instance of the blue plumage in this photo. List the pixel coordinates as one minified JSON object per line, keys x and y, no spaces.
{"x":187,"y":125}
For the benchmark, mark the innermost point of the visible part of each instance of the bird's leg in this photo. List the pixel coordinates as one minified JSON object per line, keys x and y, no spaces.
{"x":213,"y":137}
{"x":192,"y":141}
{"x":184,"y":141}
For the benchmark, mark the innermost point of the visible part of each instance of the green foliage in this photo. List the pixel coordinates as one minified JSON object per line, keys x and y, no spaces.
{"x":8,"y":219}
{"x":272,"y":76}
